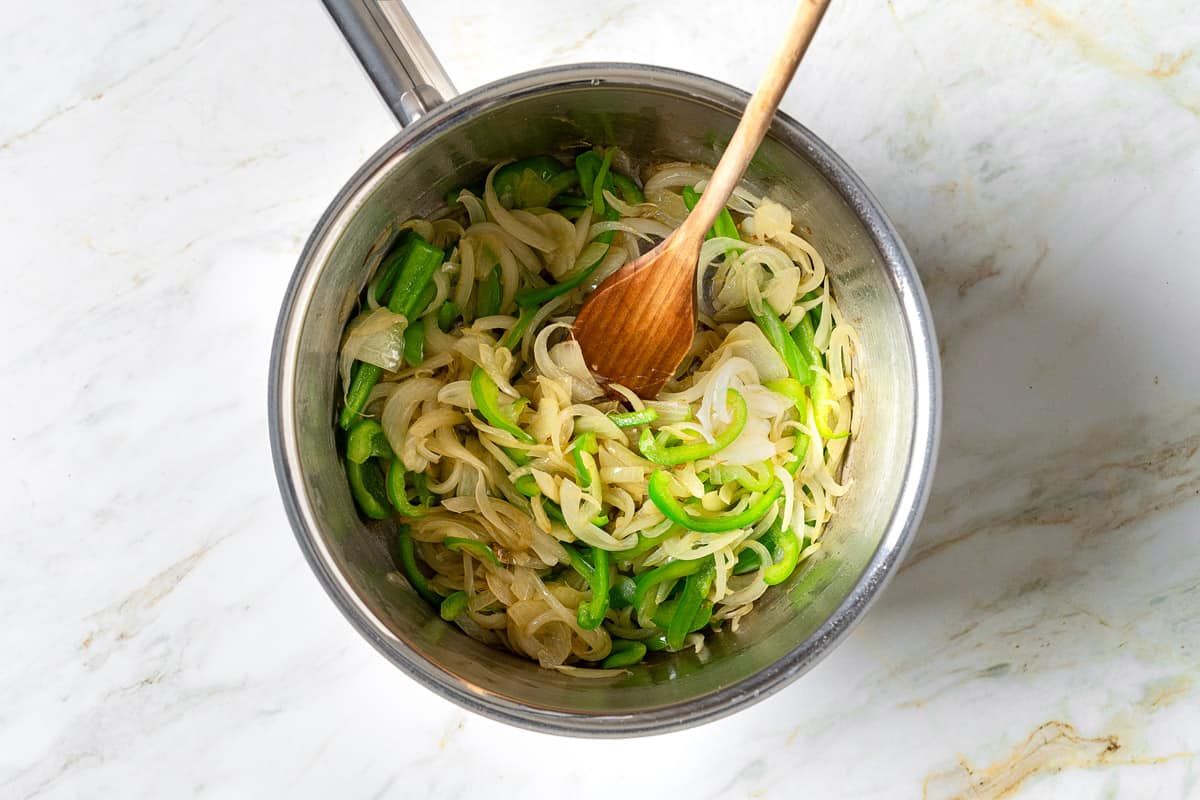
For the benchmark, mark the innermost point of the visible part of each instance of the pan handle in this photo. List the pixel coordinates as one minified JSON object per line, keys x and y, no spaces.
{"x":395,"y":55}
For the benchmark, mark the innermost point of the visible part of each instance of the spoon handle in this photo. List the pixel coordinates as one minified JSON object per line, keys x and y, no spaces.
{"x":757,"y":117}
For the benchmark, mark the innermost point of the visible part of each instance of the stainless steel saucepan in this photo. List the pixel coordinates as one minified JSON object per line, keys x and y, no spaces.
{"x":654,"y":115}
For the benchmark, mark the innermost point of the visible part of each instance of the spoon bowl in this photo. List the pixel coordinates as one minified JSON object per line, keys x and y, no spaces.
{"x":637,"y":326}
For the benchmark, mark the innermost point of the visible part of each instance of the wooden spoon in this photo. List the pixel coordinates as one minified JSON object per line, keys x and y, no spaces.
{"x":637,"y":325}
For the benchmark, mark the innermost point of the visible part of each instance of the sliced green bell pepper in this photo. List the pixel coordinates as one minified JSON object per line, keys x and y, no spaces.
{"x":785,"y":345}
{"x":622,"y":593}
{"x":666,"y":613}
{"x":527,"y":485}
{"x":625,"y":653}
{"x":447,"y":315}
{"x":367,"y":440}
{"x":655,"y":448}
{"x":785,"y":564}
{"x":591,"y":614}
{"x":367,"y":487}
{"x":659,"y":489}
{"x":414,"y":344}
{"x":791,"y":388}
{"x":390,"y":267}
{"x":488,"y":301}
{"x":695,"y":590}
{"x":584,"y":443}
{"x":408,"y":566}
{"x":723,"y":226}
{"x":602,"y":181}
{"x":648,"y":582}
{"x":532,"y":182}
{"x":627,"y":189}
{"x":454,"y":604}
{"x":486,"y":395}
{"x":631,"y":419}
{"x":397,"y":491}
{"x":460,"y":544}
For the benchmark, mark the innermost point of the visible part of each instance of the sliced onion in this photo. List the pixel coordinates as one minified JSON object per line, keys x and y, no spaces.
{"x":376,"y":337}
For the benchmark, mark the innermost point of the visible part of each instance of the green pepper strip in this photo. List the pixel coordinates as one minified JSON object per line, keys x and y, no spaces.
{"x":553,"y":511}
{"x":587,"y":164}
{"x":420,"y":483}
{"x":631,"y":419}
{"x":366,"y":485}
{"x":749,"y":560}
{"x":414,"y":344}
{"x":655,"y":451}
{"x":628,"y":190}
{"x":527,"y":485}
{"x":602,"y":178}
{"x":422,"y":304}
{"x":792,"y":389}
{"x":784,"y":565}
{"x":787,"y":348}
{"x":785,"y":552}
{"x":518,"y":329}
{"x":447,"y":314}
{"x":591,"y":614}
{"x":751,"y":482}
{"x":530,"y":298}
{"x":821,"y":387}
{"x":572,"y":202}
{"x":408,"y":565}
{"x":459,"y":544}
{"x":421,"y":259}
{"x":362,"y":381}
{"x":803,"y":335}
{"x":486,"y":394}
{"x":821,"y":400}
{"x":397,"y":492}
{"x":648,"y":581}
{"x":622,"y":593}
{"x":625,"y":653}
{"x":659,"y":489}
{"x":578,"y":562}
{"x":389,"y":268}
{"x":532,"y":182}
{"x":454,"y":604}
{"x":656,"y":642}
{"x":519,"y":457}
{"x":585,"y":443}
{"x":724,"y":226}
{"x":367,"y":440}
{"x":695,"y":589}
{"x":488,"y":303}
{"x":666,"y":613}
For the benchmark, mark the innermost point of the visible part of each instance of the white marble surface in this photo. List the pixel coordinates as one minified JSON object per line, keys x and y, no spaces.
{"x":160,"y":167}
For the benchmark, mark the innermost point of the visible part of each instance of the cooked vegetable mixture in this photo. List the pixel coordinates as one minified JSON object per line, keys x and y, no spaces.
{"x":570,"y":522}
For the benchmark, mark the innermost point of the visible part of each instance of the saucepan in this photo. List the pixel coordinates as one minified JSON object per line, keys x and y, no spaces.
{"x":654,"y":115}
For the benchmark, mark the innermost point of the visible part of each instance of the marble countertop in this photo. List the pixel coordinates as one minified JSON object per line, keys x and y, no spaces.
{"x":161,"y":165}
